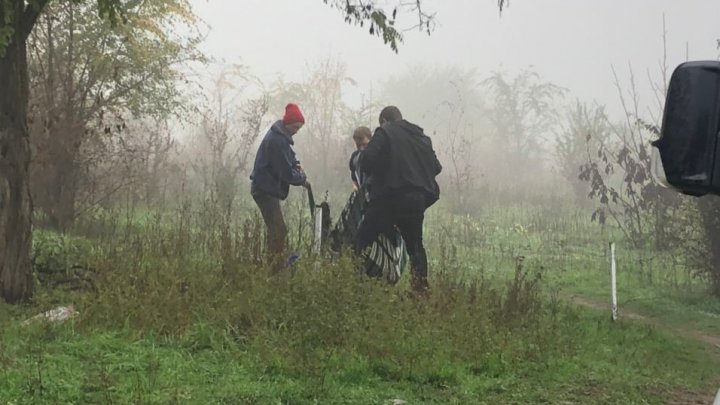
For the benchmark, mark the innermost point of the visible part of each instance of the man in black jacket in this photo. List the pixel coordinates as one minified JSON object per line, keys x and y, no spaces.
{"x":401,"y":160}
{"x":275,"y":169}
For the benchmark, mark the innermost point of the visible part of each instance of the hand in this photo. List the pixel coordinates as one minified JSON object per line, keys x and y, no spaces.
{"x":354,"y":187}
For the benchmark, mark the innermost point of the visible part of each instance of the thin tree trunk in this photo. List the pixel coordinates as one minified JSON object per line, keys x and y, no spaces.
{"x":16,"y":282}
{"x":62,"y":194}
{"x":709,"y":207}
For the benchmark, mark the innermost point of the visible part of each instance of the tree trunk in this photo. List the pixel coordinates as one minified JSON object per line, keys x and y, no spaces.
{"x":63,"y":190}
{"x":16,"y":282}
{"x":709,"y":207}
{"x":60,"y":177}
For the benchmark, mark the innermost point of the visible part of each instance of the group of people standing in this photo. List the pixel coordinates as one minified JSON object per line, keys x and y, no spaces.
{"x":395,"y":168}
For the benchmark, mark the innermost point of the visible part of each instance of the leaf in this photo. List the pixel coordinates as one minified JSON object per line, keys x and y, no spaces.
{"x":149,"y":25}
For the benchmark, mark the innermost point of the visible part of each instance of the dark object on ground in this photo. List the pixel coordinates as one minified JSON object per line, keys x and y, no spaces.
{"x":386,"y":255}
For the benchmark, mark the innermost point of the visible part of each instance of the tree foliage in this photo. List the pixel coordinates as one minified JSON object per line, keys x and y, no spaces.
{"x":381,"y":22}
{"x":18,"y":17}
{"x":327,"y":126}
{"x":619,"y":171}
{"x":523,"y":111}
{"x":384,"y":23}
{"x":229,"y":123}
{"x":571,"y":144}
{"x":83,"y":71}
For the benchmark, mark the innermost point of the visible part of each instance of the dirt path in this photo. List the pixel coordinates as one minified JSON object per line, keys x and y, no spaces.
{"x":692,"y":334}
{"x":679,"y":396}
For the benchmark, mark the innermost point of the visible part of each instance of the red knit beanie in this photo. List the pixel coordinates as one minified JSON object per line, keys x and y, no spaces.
{"x":293,"y":114}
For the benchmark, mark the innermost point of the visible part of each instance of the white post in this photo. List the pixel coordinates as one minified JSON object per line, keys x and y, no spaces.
{"x":613,"y":280}
{"x":318,"y":229}
{"x":717,"y":398}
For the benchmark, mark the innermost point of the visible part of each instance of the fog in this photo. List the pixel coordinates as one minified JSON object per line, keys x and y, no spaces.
{"x":571,"y":43}
{"x":547,"y":102}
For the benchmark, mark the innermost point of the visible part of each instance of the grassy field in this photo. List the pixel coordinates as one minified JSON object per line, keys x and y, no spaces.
{"x":175,"y":308}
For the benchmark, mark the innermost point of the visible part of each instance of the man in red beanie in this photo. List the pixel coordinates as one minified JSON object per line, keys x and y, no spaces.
{"x":275,"y":169}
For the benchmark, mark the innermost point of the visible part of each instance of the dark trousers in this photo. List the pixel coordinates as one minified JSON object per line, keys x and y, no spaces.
{"x":407,"y":212}
{"x":275,"y":224}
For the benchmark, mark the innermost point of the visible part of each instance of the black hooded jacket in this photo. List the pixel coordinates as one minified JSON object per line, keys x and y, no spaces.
{"x":400,"y":158}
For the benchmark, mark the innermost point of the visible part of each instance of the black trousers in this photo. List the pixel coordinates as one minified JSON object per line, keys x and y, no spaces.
{"x":407,"y":212}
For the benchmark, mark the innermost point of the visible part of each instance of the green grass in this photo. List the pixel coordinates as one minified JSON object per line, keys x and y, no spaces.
{"x":174,"y":308}
{"x":598,"y":363}
{"x":575,"y":255}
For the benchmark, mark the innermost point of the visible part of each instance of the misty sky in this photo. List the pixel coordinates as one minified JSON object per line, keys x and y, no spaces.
{"x":570,"y":42}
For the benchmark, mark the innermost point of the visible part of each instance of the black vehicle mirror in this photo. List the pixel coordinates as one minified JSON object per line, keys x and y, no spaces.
{"x":686,"y":155}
